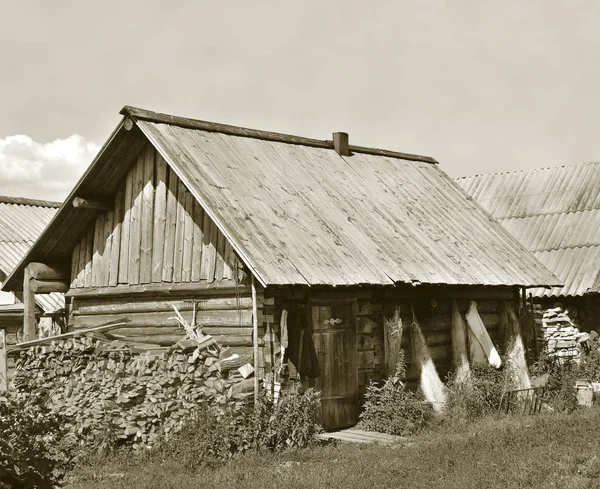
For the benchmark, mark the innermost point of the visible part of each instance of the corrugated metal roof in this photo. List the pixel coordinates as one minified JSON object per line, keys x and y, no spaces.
{"x":21,"y":222}
{"x":554,"y":212}
{"x":297,"y":213}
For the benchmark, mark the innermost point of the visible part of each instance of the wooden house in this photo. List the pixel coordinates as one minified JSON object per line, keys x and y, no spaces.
{"x":276,"y":245}
{"x":555,"y":213}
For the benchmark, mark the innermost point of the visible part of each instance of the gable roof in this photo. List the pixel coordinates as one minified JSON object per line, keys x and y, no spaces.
{"x":21,"y":222}
{"x":555,"y":213}
{"x":298,"y":213}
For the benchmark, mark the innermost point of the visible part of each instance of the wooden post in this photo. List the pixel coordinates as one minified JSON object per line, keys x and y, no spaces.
{"x":255,"y":341}
{"x":3,"y":371}
{"x":28,"y":308}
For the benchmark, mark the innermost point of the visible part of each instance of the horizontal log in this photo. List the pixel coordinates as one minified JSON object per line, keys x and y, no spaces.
{"x":47,"y":286}
{"x":426,"y":292}
{"x":213,"y":304}
{"x":432,"y":338}
{"x":227,"y":331}
{"x":92,"y":204}
{"x":151,"y":331}
{"x":199,"y":289}
{"x":228,"y":340}
{"x":204,"y":318}
{"x":42,"y":271}
{"x":161,"y":340}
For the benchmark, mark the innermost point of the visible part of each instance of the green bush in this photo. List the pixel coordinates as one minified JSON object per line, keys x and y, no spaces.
{"x":34,"y":450}
{"x":214,"y":435}
{"x":479,"y":396}
{"x":393,"y":409}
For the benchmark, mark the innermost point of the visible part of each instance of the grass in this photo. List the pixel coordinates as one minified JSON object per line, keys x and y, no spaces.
{"x":545,"y":451}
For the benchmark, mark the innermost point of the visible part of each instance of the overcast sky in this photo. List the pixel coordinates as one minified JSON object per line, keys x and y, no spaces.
{"x":482,"y":86}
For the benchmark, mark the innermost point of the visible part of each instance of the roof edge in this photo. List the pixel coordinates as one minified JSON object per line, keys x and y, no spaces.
{"x":5,"y":199}
{"x":147,"y":115}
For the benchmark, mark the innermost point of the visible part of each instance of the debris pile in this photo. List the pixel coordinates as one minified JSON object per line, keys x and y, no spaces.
{"x":110,"y":388}
{"x":560,"y":332}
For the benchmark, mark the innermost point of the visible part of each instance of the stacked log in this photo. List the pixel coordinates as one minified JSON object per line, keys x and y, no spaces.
{"x":138,"y":392}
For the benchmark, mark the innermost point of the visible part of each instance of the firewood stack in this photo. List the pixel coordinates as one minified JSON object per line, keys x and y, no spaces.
{"x":560,"y":332}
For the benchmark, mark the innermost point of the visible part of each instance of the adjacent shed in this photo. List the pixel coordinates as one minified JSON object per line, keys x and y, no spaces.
{"x":297,"y":253}
{"x":21,"y":222}
{"x":555,"y":213}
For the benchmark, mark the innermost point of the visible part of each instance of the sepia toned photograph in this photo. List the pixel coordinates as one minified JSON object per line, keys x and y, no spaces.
{"x":303,"y":244}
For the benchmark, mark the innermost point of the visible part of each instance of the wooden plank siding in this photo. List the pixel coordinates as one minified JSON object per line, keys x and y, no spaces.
{"x":155,"y":233}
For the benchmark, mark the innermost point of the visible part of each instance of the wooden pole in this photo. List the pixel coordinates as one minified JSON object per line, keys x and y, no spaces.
{"x":28,"y":308}
{"x":3,"y":371}
{"x":255,"y":341}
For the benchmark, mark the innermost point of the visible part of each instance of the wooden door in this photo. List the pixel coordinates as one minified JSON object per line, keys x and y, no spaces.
{"x":334,"y":336}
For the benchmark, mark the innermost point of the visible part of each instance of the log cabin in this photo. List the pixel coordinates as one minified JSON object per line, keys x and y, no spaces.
{"x":554,"y":212}
{"x":297,"y":253}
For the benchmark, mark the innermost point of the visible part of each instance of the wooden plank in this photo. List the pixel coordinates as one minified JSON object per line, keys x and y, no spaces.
{"x":126,"y":228}
{"x":170,"y":228}
{"x":206,"y":247}
{"x":75,"y":265}
{"x":98,"y":250}
{"x":106,"y":255}
{"x":89,"y":251}
{"x":135,"y":237}
{"x":147,"y":217}
{"x":198,"y":219}
{"x":188,"y":237}
{"x":82,"y":261}
{"x":160,"y":218}
{"x":214,"y":233}
{"x":3,"y":369}
{"x":228,"y":259}
{"x":115,"y":247}
{"x":115,"y":323}
{"x":179,"y":233}
{"x":220,"y":253}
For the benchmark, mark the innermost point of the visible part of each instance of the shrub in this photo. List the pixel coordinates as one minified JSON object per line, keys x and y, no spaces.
{"x":560,"y":393}
{"x":393,"y":409}
{"x":479,"y":396}
{"x":214,"y":435}
{"x":33,"y":449}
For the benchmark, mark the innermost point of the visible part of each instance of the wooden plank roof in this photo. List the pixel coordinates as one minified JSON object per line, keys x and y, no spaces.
{"x":297,"y":213}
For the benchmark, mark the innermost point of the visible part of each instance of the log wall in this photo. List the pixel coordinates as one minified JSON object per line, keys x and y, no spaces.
{"x":376,"y":349}
{"x":155,"y":232}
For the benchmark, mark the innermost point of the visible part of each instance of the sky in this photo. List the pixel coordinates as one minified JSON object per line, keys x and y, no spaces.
{"x":482,"y":86}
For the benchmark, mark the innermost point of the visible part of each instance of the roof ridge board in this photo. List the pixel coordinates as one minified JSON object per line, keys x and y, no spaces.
{"x":185,"y":122}
{"x":5,"y":199}
{"x":526,"y":170}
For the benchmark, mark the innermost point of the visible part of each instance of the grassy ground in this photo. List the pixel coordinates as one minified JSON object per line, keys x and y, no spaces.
{"x":545,"y":451}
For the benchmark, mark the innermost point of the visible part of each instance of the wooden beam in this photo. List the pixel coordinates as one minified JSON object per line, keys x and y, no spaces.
{"x":48,"y":286}
{"x":117,"y":323}
{"x":41,"y":271}
{"x":255,"y":342}
{"x":198,"y":288}
{"x":93,"y":204}
{"x":29,"y":321}
{"x":3,"y":370}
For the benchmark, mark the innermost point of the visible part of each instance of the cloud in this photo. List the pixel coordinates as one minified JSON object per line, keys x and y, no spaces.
{"x":43,"y":170}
